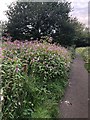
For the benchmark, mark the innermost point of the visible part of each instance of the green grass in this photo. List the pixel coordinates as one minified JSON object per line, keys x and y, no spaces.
{"x":87,"y":66}
{"x":84,"y":51}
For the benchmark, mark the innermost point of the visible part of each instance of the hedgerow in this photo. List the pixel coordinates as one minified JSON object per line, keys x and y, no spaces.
{"x":34,"y":76}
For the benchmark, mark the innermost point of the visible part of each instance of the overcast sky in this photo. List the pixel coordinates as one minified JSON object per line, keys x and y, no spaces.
{"x":80,"y":9}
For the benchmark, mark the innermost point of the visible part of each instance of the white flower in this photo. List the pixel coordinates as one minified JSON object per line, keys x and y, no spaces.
{"x":1,"y":91}
{"x":19,"y":103}
{"x":1,"y":98}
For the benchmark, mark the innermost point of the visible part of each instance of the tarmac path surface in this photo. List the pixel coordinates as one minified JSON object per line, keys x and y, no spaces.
{"x":75,"y":101}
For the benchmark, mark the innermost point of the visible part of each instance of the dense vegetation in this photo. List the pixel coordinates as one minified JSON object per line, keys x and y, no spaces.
{"x":34,"y":76}
{"x":32,"y":20}
{"x":84,"y":51}
{"x":34,"y":68}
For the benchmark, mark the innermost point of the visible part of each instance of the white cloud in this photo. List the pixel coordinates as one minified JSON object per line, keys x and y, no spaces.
{"x":80,"y":8}
{"x":3,"y":7}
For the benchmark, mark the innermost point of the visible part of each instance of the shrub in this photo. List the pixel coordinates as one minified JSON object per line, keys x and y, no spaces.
{"x":34,"y":76}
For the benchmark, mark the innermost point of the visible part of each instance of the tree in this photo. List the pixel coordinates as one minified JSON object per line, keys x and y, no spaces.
{"x":31,"y":20}
{"x":81,"y":36}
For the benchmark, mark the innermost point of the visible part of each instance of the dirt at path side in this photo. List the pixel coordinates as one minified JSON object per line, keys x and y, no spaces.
{"x":75,"y":102}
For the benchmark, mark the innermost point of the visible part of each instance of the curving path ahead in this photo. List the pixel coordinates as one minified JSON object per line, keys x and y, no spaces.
{"x":75,"y":102}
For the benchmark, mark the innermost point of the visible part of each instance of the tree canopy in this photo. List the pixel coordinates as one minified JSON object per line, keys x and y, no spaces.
{"x":32,"y":20}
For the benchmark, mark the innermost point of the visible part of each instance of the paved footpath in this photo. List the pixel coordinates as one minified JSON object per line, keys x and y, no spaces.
{"x":75,"y":101}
